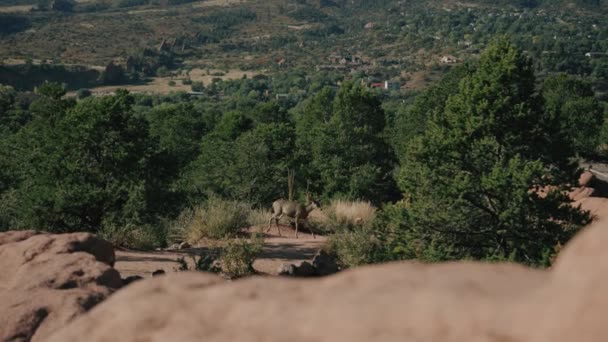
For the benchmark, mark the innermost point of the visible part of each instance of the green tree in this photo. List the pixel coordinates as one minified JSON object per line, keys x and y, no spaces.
{"x":86,"y":169}
{"x":252,"y":168}
{"x":412,"y":121}
{"x":310,"y":117}
{"x":475,"y":176}
{"x":572,"y":114}
{"x":351,"y":150}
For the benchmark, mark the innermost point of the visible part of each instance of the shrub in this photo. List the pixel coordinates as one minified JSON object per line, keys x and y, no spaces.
{"x":145,"y":237}
{"x":206,"y":261}
{"x":162,"y":71}
{"x":238,"y":255}
{"x":197,"y":86}
{"x":187,"y":81}
{"x":172,"y":83}
{"x":258,"y":217}
{"x":216,"y":218}
{"x":354,"y":247}
{"x":83,"y":93}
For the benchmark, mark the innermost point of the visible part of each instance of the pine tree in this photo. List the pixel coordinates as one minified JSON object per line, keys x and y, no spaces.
{"x":478,"y":174}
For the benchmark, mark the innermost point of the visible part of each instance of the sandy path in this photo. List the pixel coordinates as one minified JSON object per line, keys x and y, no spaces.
{"x":286,"y":249}
{"x":277,"y":250}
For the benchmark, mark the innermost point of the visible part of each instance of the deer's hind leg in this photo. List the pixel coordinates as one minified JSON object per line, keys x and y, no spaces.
{"x":277,"y":223}
{"x":270,"y":222}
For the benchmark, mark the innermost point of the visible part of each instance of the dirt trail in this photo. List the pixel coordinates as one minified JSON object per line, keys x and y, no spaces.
{"x":277,"y":250}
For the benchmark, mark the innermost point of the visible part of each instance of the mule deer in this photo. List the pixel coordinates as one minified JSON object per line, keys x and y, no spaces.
{"x":292,"y":210}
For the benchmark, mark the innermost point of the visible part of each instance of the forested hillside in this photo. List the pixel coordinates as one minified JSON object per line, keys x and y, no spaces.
{"x":463,"y":123}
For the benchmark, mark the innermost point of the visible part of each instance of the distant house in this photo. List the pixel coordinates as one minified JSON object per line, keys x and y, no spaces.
{"x":596,"y":54}
{"x":386,"y":85}
{"x":390,"y":85}
{"x":448,"y":59}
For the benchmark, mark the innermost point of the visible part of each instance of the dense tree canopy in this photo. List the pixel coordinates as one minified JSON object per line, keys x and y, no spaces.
{"x":475,"y":176}
{"x":475,"y":166}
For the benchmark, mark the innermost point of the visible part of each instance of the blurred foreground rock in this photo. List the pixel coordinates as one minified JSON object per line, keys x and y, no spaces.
{"x":393,"y":302}
{"x":47,"y":280}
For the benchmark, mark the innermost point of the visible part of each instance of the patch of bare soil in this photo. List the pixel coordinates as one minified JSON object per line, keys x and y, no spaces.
{"x":277,"y":250}
{"x":286,"y":249}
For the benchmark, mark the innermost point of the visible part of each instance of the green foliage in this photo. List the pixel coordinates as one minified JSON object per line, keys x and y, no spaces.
{"x":412,"y":120}
{"x":252,"y":167}
{"x":476,"y":174}
{"x":13,"y":23}
{"x":83,"y":93}
{"x":142,"y":237}
{"x":87,"y":166}
{"x":234,"y":259}
{"x":238,"y":255}
{"x":63,"y":5}
{"x":347,"y":145}
{"x":573,"y":113}
{"x":354,"y":246}
{"x":197,"y":87}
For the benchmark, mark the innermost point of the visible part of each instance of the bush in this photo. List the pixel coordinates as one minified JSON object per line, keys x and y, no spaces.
{"x":145,"y":237}
{"x":258,"y":217}
{"x":187,"y":81}
{"x":162,"y":71}
{"x":197,"y":87}
{"x":238,"y":255}
{"x":83,"y":93}
{"x":216,"y":219}
{"x":172,"y":84}
{"x":354,"y":247}
{"x":232,"y":257}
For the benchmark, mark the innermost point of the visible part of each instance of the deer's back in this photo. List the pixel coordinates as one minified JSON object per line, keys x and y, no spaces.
{"x":289,"y":208}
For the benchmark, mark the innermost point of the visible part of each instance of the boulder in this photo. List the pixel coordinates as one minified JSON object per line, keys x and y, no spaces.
{"x":47,"y":280}
{"x":585,"y":179}
{"x":304,"y":269}
{"x":128,"y":280}
{"x":158,"y":273}
{"x":324,"y":263}
{"x":184,"y":245}
{"x":286,"y":269}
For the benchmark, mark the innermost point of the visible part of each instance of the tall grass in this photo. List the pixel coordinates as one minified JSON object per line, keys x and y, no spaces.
{"x":142,"y":237}
{"x":342,"y":215}
{"x":353,"y":212}
{"x":216,"y":218}
{"x":258,"y":217}
{"x":349,"y":224}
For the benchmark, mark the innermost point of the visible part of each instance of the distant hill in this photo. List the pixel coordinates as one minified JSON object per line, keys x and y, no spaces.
{"x":388,"y":39}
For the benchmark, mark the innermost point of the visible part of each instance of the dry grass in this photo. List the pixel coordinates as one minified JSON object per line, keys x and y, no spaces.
{"x":16,"y":9}
{"x":353,"y":212}
{"x":160,"y":85}
{"x":258,"y":217}
{"x":215,"y":219}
